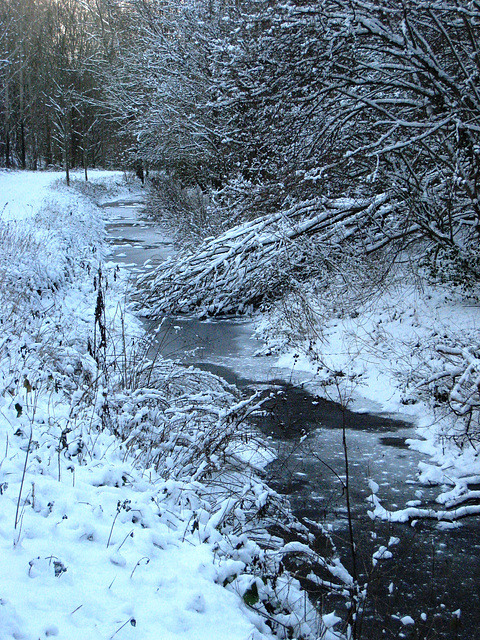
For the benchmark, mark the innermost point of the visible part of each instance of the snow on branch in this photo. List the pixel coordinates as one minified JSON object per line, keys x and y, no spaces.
{"x":258,"y":260}
{"x":416,"y":513}
{"x":464,"y":371}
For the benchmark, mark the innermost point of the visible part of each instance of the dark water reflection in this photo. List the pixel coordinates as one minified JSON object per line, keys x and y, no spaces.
{"x":433,"y":572}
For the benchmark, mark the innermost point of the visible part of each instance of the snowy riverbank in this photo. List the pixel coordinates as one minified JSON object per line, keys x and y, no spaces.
{"x":410,"y":352}
{"x":106,"y":529}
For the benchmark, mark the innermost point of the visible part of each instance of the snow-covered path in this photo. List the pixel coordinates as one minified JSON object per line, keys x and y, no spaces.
{"x":23,"y":192}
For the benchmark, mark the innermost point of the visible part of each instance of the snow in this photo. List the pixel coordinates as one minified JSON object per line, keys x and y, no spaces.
{"x":385,"y":356}
{"x":382,"y":553}
{"x":106,"y":530}
{"x":153,"y":583}
{"x":22,"y":193}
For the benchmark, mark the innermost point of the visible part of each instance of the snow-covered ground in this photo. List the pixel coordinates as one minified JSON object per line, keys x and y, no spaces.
{"x":102,"y":533}
{"x":21,"y":194}
{"x":410,"y":352}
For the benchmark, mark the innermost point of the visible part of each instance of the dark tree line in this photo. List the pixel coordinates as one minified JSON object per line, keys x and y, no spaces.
{"x":51,"y":57}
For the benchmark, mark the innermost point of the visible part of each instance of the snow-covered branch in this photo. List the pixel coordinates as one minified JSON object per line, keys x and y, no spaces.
{"x":256,"y":261}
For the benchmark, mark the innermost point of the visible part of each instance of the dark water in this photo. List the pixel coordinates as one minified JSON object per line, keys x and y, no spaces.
{"x":433,"y":572}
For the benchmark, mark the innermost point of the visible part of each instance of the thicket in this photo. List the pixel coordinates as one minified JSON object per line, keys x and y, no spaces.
{"x":264,"y":106}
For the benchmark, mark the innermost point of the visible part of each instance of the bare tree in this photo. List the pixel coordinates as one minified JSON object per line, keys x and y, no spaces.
{"x":48,"y":49}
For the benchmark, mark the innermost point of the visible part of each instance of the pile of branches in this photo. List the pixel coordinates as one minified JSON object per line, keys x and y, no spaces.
{"x":259,"y":261}
{"x":456,"y":385}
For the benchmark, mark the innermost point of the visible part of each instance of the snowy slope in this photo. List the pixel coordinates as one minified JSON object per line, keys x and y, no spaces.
{"x":412,"y":352}
{"x":103,"y":533}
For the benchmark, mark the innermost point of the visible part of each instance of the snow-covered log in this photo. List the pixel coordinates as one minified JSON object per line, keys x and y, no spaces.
{"x":259,"y":260}
{"x":417,"y":513}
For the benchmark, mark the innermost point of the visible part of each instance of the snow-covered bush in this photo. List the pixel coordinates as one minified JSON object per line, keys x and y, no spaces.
{"x":129,"y":485}
{"x":187,"y":211}
{"x":451,"y":380}
{"x":260,"y":261}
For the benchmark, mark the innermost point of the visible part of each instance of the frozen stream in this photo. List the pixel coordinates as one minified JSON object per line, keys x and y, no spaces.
{"x":434,"y":572}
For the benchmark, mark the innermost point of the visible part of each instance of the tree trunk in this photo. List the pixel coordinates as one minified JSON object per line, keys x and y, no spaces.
{"x":7,"y":148}
{"x":48,"y":143}
{"x":67,"y":153}
{"x":7,"y":124}
{"x":23,"y":154}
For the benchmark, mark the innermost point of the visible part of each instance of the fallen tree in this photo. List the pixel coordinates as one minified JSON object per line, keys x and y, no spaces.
{"x":260,"y":260}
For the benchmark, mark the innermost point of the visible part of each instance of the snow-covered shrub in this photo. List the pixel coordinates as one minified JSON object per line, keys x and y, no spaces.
{"x":262,"y":260}
{"x":39,"y":256}
{"x":108,"y":187}
{"x":186,"y":211}
{"x":182,"y":422}
{"x":458,"y":266}
{"x":19,"y":283}
{"x":452,"y":381}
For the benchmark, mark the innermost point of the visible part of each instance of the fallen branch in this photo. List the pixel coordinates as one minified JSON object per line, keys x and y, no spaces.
{"x":415,"y":513}
{"x":258,"y":260}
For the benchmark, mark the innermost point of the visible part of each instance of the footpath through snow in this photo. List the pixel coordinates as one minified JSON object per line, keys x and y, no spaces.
{"x":108,"y":529}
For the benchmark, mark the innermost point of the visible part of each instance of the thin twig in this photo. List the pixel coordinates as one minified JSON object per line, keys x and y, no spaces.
{"x":23,"y":476}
